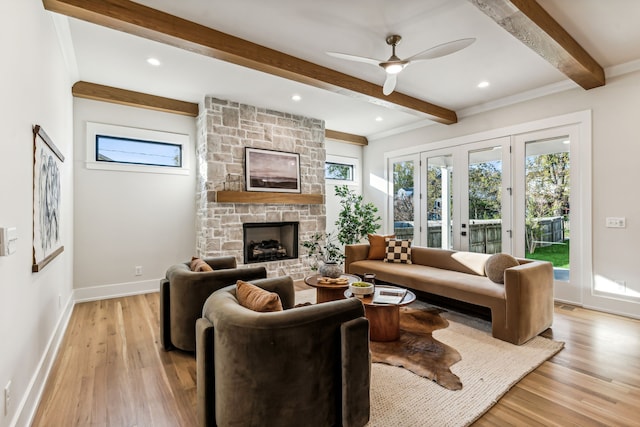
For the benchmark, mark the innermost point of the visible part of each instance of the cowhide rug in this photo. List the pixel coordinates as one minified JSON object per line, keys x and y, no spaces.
{"x":417,"y":350}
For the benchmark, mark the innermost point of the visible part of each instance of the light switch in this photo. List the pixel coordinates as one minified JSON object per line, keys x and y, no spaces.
{"x":8,"y":240}
{"x":613,"y":222}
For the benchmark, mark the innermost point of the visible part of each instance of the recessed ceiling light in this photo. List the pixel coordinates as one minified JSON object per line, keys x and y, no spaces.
{"x":296,"y":98}
{"x":483,"y":84}
{"x":379,"y":119}
{"x":153,"y":61}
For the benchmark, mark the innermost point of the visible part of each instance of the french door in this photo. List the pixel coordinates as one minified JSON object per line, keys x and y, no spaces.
{"x":548,"y":226}
{"x":533,"y":187}
{"x":465,"y":197}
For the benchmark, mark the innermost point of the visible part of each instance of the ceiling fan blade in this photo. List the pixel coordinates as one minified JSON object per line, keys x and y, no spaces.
{"x":389,"y":84}
{"x":355,"y":58}
{"x":442,"y":50}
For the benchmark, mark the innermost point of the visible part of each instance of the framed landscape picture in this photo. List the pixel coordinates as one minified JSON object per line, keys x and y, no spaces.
{"x":47,"y":239}
{"x":268,"y":170}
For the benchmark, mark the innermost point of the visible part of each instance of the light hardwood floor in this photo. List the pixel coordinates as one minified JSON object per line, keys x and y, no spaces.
{"x":111,"y":371}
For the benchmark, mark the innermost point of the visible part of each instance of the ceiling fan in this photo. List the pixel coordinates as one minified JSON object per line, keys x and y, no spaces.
{"x":394,"y":65}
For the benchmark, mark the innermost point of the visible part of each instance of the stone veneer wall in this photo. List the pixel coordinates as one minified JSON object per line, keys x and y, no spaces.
{"x":224,"y":130}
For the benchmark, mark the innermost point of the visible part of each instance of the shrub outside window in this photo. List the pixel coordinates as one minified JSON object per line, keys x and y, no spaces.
{"x":339,"y":171}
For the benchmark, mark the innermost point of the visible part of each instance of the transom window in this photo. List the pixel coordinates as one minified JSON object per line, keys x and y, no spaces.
{"x":127,"y":149}
{"x":339,"y":171}
{"x":137,"y":152}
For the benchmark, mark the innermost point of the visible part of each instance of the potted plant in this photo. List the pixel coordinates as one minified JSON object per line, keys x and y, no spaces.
{"x":355,"y":220}
{"x":326,"y":254}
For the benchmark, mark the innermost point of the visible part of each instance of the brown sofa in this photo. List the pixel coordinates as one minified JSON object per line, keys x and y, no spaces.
{"x":183,"y":293}
{"x":303,"y":366}
{"x":520,"y":309}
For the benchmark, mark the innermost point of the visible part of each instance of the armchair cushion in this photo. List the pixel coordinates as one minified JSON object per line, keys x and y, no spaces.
{"x":198,"y":264}
{"x":257,"y":299}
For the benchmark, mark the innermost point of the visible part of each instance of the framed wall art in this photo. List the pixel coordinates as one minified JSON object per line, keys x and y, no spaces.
{"x":47,"y":239}
{"x":268,"y":170}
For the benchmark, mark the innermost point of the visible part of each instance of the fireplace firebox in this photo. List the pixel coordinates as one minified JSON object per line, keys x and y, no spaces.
{"x":270,"y":241}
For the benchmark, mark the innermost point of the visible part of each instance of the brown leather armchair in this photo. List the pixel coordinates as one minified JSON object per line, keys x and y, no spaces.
{"x":183,"y":293}
{"x":306,"y":366}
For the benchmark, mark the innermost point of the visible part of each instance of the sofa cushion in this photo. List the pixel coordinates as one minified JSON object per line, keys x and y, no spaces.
{"x":256,"y":298}
{"x":198,"y":264}
{"x":497,"y":264}
{"x":378,"y":245}
{"x":474,"y":261}
{"x":398,"y":251}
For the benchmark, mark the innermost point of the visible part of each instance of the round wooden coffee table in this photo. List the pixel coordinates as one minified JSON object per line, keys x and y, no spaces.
{"x":328,"y":291}
{"x":384,"y":319}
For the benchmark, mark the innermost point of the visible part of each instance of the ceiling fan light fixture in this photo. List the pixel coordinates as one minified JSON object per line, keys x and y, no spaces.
{"x":393,"y":67}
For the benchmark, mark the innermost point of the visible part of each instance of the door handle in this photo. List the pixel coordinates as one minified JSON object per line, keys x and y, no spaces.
{"x":463,"y":233}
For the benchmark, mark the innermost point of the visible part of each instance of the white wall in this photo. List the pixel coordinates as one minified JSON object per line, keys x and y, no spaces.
{"x":35,"y":89}
{"x":332,"y":201}
{"x":615,"y":173}
{"x":128,"y":219}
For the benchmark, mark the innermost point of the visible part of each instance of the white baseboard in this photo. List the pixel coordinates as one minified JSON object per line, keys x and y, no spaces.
{"x":26,"y":410}
{"x":116,"y":290}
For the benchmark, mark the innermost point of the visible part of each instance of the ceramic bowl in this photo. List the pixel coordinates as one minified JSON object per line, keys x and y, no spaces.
{"x":361,"y":289}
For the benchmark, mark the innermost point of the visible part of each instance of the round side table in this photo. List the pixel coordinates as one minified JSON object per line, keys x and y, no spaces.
{"x":329,"y":292}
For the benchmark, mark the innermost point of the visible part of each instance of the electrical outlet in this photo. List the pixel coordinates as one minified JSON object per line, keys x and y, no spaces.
{"x":138,"y":270}
{"x":7,"y":398}
{"x":612,"y":222}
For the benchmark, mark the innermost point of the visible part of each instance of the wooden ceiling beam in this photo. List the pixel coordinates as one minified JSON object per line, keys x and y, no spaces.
{"x":532,"y":25}
{"x":349,"y":138}
{"x":115,"y":95}
{"x":131,"y":98}
{"x":143,"y":21}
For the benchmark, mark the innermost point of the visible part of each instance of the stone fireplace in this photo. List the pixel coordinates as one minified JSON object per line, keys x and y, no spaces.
{"x":225,"y":128}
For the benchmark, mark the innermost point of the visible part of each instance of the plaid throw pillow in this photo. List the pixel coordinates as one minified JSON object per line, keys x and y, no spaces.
{"x":398,"y":251}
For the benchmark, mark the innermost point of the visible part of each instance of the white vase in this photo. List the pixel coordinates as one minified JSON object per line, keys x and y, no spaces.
{"x":330,"y":269}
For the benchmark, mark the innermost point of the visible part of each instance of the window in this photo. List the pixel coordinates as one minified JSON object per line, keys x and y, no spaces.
{"x":133,"y":151}
{"x":339,"y":170}
{"x":111,"y":147}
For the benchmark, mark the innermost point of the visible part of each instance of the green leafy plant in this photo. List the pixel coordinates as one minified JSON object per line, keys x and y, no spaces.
{"x":322,"y":247}
{"x":356,"y":219}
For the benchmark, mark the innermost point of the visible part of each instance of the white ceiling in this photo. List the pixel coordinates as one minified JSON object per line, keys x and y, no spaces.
{"x":608,"y":30}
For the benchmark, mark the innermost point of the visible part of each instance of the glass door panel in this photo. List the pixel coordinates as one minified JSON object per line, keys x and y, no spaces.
{"x":404,"y":203}
{"x":439,"y":201}
{"x":544,"y":197}
{"x":547,"y":208}
{"x":485,"y":200}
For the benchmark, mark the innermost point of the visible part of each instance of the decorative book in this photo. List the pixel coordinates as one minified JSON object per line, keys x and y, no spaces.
{"x":388,"y":295}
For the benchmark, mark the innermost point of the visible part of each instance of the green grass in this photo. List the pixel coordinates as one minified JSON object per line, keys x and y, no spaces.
{"x":558,"y":255}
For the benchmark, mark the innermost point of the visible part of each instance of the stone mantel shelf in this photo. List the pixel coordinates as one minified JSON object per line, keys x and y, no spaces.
{"x":268,"y":197}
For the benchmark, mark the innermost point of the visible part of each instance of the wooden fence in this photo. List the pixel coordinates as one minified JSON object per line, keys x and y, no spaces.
{"x":485,"y":236}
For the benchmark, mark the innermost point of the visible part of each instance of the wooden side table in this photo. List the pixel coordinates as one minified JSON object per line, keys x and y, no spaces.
{"x":384,"y":319}
{"x":330,"y":292}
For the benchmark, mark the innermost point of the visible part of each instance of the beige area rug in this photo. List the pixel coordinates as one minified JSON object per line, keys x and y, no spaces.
{"x":488,"y":369}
